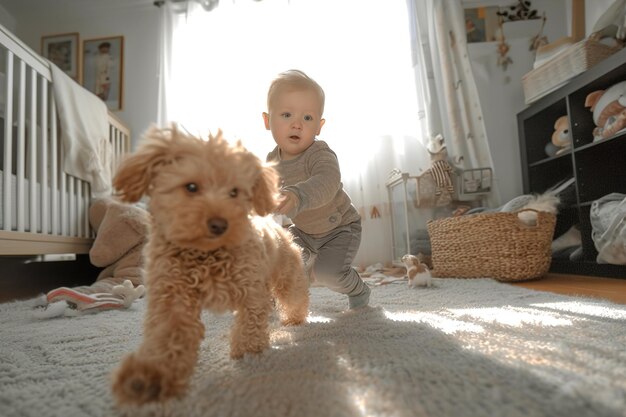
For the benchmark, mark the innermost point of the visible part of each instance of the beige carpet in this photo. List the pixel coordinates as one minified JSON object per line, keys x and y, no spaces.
{"x":463,"y":348}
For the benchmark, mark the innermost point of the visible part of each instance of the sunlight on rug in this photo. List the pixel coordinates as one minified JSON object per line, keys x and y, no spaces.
{"x":472,"y":347}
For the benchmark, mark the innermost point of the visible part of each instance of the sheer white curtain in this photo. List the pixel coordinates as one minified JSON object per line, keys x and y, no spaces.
{"x":217,"y":67}
{"x":450,"y":102}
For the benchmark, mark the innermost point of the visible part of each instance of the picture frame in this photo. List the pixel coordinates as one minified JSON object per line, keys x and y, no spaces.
{"x":578,"y":20}
{"x":481,"y":24}
{"x":103,"y":69}
{"x":63,"y":50}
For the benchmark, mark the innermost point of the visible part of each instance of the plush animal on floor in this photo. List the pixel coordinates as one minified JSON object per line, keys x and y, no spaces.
{"x":561,"y":137}
{"x":121,"y":234}
{"x":609,"y":110}
{"x":417,"y":273}
{"x":209,"y":248}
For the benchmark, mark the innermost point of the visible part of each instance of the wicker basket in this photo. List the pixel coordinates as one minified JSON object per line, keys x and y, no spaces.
{"x":576,"y":59}
{"x":493,"y":245}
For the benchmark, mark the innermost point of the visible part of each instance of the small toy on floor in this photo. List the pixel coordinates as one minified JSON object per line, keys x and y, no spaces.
{"x":65,"y":301}
{"x":417,"y":273}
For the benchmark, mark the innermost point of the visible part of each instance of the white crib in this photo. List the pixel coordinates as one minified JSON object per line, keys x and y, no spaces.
{"x":43,"y":210}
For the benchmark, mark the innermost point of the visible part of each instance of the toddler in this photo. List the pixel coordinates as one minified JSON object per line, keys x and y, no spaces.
{"x":325,"y":223}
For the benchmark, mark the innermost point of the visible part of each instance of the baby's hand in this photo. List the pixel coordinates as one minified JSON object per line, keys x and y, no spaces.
{"x":286,"y":202}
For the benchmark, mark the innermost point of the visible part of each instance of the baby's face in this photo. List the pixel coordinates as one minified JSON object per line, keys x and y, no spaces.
{"x":294,"y":120}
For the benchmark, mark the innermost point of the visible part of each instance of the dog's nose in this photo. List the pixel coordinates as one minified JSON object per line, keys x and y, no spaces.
{"x":217,"y":225}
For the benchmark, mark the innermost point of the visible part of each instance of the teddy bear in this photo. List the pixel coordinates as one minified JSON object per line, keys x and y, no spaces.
{"x":561,"y":137}
{"x":121,"y":232}
{"x":441,"y":170}
{"x":609,"y":110}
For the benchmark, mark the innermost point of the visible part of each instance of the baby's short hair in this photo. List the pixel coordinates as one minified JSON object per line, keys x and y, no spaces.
{"x":294,"y":80}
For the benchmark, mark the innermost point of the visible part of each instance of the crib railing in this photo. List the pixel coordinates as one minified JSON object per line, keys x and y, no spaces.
{"x":43,"y":210}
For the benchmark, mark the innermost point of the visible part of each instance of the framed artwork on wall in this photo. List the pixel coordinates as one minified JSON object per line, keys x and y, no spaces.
{"x":62,"y":50}
{"x":103,"y":69}
{"x":481,"y":24}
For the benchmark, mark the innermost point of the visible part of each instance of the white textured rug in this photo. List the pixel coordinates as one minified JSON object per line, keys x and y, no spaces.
{"x":464,"y":348}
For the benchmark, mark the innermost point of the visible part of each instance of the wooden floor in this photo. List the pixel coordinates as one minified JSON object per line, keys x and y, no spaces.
{"x":604,"y":288}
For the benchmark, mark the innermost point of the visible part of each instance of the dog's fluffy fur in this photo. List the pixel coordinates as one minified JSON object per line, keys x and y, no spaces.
{"x":417,"y":273}
{"x":208,"y":248}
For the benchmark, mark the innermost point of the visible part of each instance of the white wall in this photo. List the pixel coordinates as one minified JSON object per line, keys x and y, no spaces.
{"x":501,"y":93}
{"x":7,"y":19}
{"x":593,"y":10}
{"x":140,"y":28}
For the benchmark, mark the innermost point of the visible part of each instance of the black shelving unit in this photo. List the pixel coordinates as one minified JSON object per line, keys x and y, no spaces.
{"x":598,"y":168}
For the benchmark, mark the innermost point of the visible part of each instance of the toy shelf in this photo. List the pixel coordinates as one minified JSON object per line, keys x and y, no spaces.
{"x":598,"y":168}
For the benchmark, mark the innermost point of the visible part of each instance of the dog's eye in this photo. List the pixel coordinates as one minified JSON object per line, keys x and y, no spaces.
{"x":234,"y":192}
{"x":191,"y":187}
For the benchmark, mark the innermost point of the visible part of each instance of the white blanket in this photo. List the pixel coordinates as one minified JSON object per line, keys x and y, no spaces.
{"x":85,"y":132}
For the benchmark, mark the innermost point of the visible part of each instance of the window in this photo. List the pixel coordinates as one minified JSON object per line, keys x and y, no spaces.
{"x":358,"y":50}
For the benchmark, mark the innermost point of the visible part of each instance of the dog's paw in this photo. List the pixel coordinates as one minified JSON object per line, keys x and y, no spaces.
{"x":293,"y":321}
{"x":293,"y":314}
{"x":138,"y":382}
{"x":237,"y":350}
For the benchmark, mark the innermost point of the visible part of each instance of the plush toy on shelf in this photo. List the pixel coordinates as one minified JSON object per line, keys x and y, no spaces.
{"x":609,"y":110}
{"x":561,"y":137}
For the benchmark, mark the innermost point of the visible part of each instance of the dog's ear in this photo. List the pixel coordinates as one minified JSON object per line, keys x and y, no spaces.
{"x":135,"y":172}
{"x":264,"y":191}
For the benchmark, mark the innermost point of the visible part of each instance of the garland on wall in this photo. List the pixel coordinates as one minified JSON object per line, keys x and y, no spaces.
{"x":518,"y":12}
{"x":504,"y":60}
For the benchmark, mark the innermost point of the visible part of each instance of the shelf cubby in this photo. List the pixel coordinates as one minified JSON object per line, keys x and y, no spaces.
{"x":597,"y":166}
